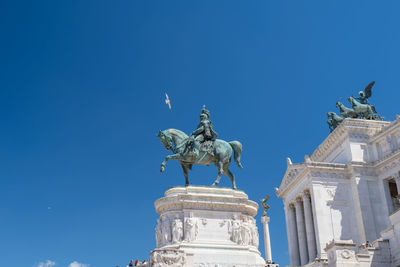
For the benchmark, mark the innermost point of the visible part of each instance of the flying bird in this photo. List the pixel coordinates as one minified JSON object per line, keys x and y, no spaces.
{"x":167,"y":101}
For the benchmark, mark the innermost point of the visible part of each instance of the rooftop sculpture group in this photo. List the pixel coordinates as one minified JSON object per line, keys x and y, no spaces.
{"x":201,"y":147}
{"x":359,"y":109}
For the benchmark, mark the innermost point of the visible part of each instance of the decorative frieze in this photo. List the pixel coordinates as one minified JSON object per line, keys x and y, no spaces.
{"x":356,"y":128}
{"x":167,"y":258}
{"x":243,"y":231}
{"x":320,"y":174}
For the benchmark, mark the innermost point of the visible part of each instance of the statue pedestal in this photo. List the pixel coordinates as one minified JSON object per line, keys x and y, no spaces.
{"x":206,"y":226}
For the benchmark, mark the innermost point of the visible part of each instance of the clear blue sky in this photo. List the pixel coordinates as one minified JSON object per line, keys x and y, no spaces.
{"x":81,"y":100}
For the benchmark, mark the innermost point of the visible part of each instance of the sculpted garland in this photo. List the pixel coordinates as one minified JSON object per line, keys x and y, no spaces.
{"x":201,"y":147}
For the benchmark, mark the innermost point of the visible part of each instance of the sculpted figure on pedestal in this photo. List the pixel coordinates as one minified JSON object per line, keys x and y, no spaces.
{"x":254,"y":235}
{"x":245,"y":232}
{"x":234,"y":230}
{"x":177,"y":231}
{"x":191,"y":229}
{"x":264,"y":204}
{"x":201,"y":148}
{"x":165,"y":231}
{"x":158,"y":233}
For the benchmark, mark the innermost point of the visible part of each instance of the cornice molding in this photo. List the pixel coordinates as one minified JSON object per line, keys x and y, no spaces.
{"x":294,"y":175}
{"x":393,"y":126}
{"x":355,"y":128}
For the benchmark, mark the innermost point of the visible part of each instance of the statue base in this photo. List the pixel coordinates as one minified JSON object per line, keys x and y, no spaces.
{"x":204,"y":226}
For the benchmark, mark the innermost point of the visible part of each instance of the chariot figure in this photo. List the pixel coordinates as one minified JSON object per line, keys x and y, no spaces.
{"x":363,"y":96}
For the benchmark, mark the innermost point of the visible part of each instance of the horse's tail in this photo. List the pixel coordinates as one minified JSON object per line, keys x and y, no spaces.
{"x":237,"y":152}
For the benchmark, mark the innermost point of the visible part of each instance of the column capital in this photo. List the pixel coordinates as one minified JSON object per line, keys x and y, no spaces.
{"x":299,"y":199}
{"x":265,"y":219}
{"x":306,"y":194}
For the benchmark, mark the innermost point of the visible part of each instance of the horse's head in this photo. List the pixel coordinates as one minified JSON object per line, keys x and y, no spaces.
{"x":330,"y":114}
{"x":338,"y":104}
{"x":165,"y":139}
{"x":351,"y":100}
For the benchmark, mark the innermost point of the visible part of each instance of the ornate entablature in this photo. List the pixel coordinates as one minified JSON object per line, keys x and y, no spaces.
{"x":362,"y":130}
{"x":298,"y":172}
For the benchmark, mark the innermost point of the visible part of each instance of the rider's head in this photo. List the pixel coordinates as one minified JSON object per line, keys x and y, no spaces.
{"x":203,"y":116}
{"x":205,"y":112}
{"x":361,"y":93}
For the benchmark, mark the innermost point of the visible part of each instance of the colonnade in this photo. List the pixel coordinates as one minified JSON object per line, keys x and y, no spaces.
{"x":301,"y":233}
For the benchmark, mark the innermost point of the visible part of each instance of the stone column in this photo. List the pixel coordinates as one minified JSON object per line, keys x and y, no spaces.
{"x":292,"y":236}
{"x":267,"y":241}
{"x":301,"y":232}
{"x":312,"y":251}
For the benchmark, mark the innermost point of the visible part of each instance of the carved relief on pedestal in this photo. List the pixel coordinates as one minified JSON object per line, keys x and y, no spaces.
{"x":245,"y":232}
{"x":254,"y":236}
{"x":158,"y":233}
{"x":177,"y":231}
{"x":191,"y":229}
{"x":170,"y":258}
{"x":165,"y":231}
{"x":234,"y":230}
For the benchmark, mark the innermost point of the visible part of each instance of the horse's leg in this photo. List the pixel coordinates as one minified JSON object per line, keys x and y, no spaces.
{"x":220,"y":171}
{"x":230,"y":175}
{"x":186,"y":173}
{"x":174,"y":156}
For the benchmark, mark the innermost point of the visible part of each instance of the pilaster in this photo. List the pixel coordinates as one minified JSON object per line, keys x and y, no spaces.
{"x":293,"y":240}
{"x":312,"y":252}
{"x":301,"y":230}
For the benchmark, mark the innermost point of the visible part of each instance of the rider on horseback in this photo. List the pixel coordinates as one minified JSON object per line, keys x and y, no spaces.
{"x":203,"y":135}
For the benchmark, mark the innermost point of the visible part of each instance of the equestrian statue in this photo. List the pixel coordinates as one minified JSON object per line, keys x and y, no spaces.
{"x":201,"y":147}
{"x":360,"y":108}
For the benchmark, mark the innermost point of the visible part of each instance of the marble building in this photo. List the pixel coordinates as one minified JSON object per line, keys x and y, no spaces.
{"x":341,"y":203}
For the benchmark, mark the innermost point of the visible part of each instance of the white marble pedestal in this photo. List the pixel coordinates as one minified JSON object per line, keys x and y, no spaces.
{"x":202,"y":226}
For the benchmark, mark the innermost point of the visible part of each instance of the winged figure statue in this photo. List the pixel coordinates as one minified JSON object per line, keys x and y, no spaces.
{"x":264,"y":204}
{"x":363,"y":96}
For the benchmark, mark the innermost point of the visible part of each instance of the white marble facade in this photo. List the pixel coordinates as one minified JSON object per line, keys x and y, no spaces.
{"x":345,"y":194}
{"x":204,"y":226}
